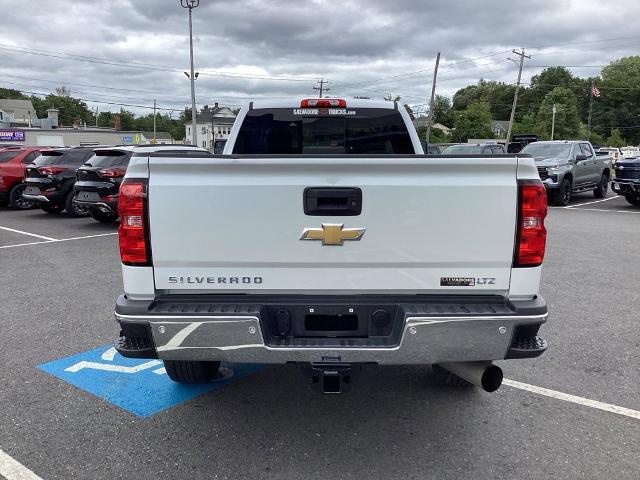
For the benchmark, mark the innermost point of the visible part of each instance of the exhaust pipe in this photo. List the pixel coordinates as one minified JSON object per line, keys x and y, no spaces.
{"x":485,"y":375}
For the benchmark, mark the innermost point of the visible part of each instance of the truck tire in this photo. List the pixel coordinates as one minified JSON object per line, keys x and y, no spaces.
{"x":184,"y":371}
{"x":603,"y":186}
{"x":562,"y":196}
{"x":103,"y":217}
{"x":73,"y":209}
{"x":444,"y":377}
{"x":633,"y":200}
{"x":16,"y":200}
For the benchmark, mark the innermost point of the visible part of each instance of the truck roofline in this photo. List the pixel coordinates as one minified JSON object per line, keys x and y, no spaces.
{"x":294,"y":102}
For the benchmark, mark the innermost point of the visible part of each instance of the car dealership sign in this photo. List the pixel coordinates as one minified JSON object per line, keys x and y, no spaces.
{"x":12,"y":135}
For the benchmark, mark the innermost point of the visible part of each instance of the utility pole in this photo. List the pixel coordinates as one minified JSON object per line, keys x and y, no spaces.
{"x":515,"y":96}
{"x":590,"y":110}
{"x":96,"y":116}
{"x":433,"y":97}
{"x":191,"y":4}
{"x":321,"y":88}
{"x":154,"y":123}
{"x":553,"y":120}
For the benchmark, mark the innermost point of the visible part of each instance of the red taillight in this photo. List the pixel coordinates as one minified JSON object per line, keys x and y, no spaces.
{"x":134,"y":249}
{"x":112,"y":172}
{"x":51,"y":170}
{"x":323,"y":103}
{"x":531,"y":238}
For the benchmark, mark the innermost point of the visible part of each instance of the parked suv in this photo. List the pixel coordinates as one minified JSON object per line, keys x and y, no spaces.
{"x":568,"y":167}
{"x":98,"y":179}
{"x":98,"y":182}
{"x":13,"y":161}
{"x":627,"y":181}
{"x":50,"y":180}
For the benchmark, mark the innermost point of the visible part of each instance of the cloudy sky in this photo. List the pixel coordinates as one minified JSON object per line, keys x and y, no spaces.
{"x":134,"y":51}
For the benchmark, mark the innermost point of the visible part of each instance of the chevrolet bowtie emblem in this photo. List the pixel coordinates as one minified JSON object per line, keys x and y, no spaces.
{"x":332,"y":233}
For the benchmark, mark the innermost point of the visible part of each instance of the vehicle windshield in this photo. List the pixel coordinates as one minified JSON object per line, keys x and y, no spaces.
{"x":6,"y":156}
{"x":109,"y":158}
{"x":462,"y":149}
{"x":547,"y":150}
{"x":323,"y":131}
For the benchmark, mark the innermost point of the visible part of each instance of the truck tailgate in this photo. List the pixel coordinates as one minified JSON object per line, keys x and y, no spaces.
{"x":432,"y":225}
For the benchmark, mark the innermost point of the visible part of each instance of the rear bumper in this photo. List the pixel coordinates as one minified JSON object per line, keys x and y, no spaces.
{"x":425,"y":331}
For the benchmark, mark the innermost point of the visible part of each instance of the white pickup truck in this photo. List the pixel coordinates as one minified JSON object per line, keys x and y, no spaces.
{"x":324,"y":237}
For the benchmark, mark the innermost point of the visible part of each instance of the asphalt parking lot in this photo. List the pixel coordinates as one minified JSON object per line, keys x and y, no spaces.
{"x":60,"y":277}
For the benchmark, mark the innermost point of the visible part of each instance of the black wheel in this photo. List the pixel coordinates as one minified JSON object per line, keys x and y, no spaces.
{"x":53,"y":209}
{"x":446,"y":378}
{"x":184,"y":371}
{"x":73,"y":209}
{"x":562,"y":196}
{"x":16,"y":200}
{"x":603,"y":187}
{"x":633,"y":200}
{"x":103,"y":217}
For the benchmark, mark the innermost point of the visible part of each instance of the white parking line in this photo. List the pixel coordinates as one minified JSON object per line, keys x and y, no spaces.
{"x":26,"y":233}
{"x":589,"y":203}
{"x":59,"y":240}
{"x":597,"y":210}
{"x":607,"y":407}
{"x":11,"y":469}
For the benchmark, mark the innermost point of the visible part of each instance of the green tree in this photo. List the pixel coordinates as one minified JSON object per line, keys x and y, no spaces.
{"x":72,"y":110}
{"x":567,"y":124}
{"x":619,"y":103}
{"x":127,"y":120}
{"x":442,"y":110}
{"x":615,"y":139}
{"x":498,"y":95}
{"x":473,"y":122}
{"x":12,"y":94}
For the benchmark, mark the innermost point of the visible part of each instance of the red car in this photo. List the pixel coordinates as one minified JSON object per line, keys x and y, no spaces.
{"x":13,"y":161}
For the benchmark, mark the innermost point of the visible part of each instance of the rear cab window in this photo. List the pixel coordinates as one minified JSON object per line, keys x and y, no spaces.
{"x":317,"y":131}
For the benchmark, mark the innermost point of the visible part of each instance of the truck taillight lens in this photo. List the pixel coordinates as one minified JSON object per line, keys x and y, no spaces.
{"x":132,"y":233}
{"x":531,"y":238}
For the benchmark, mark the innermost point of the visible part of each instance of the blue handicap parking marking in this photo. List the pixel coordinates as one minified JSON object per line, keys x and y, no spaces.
{"x":140,"y":386}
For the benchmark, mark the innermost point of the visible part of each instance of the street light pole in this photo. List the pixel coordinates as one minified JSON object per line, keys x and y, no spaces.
{"x":191,"y":4}
{"x":553,"y":120}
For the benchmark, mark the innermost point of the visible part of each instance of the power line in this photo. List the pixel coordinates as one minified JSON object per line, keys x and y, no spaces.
{"x":143,"y":66}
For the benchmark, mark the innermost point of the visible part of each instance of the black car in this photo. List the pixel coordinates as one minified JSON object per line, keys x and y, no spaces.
{"x":49,"y":180}
{"x":627,"y":180}
{"x":98,"y":182}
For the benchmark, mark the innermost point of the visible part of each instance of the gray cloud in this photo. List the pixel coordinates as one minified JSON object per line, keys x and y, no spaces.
{"x":353,"y":43}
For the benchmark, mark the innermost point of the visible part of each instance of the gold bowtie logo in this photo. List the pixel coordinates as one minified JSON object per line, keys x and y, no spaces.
{"x":332,"y":233}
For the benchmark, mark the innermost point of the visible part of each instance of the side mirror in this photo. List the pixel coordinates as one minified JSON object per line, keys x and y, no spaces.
{"x":580,"y":158}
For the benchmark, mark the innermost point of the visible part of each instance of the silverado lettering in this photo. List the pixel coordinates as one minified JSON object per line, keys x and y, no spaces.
{"x":198,"y":279}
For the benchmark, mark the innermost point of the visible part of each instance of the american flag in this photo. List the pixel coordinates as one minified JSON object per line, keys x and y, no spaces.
{"x":595,"y":92}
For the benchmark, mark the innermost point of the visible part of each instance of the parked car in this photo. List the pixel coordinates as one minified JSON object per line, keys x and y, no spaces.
{"x":50,"y":179}
{"x":474,"y":149}
{"x":630,"y":152}
{"x":568,"y":167}
{"x":98,"y":179}
{"x":290,"y":249}
{"x":13,"y":162}
{"x":627,"y":180}
{"x":613,"y":152}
